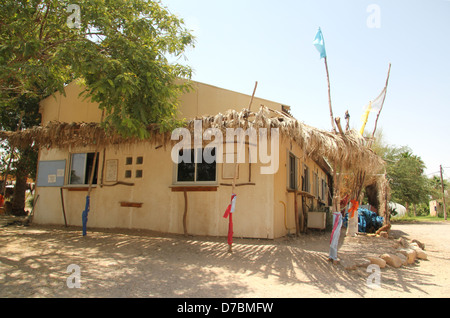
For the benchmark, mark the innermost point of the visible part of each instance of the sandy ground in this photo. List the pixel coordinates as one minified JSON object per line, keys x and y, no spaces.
{"x":112,"y":263}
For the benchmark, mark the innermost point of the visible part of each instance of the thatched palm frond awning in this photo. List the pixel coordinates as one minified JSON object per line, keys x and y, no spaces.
{"x":349,"y":150}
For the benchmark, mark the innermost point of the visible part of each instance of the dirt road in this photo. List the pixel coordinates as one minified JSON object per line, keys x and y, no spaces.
{"x":34,"y":262}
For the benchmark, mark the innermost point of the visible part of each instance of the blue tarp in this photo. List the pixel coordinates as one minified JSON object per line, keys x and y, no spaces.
{"x":368,"y":221}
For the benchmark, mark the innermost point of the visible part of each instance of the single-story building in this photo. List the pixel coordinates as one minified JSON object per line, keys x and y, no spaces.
{"x":436,"y":208}
{"x":140,"y":184}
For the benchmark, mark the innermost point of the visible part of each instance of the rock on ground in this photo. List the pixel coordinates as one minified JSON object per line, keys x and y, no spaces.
{"x":377,"y":261}
{"x":392,"y":260}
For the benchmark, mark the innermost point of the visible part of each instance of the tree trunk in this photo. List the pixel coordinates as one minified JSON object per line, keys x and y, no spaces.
{"x":18,"y":201}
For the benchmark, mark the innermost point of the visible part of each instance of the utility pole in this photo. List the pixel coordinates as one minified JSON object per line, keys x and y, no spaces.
{"x":443,"y":195}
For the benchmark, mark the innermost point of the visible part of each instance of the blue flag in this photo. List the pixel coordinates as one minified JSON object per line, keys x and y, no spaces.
{"x":319,"y":43}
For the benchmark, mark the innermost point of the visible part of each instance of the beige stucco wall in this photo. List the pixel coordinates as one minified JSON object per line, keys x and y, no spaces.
{"x":162,"y":209}
{"x":204,"y":99}
{"x":259,"y":211}
{"x":284,"y":222}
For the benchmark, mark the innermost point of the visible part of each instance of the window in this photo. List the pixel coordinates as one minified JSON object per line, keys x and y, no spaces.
{"x":306,"y":183}
{"x":134,"y":167}
{"x":203,"y":171}
{"x":80,"y":168}
{"x":292,"y":172}
{"x":324,"y":190}
{"x":316,"y":185}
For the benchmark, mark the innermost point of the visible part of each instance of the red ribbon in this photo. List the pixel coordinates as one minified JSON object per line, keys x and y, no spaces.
{"x":354,"y":208}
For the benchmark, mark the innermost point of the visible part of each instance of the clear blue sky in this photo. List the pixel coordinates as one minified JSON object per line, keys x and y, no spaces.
{"x":243,"y":41}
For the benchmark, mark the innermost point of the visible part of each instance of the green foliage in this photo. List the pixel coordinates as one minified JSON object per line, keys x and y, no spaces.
{"x":435,"y":185}
{"x":19,"y":113}
{"x":405,"y":170}
{"x":120,"y":52}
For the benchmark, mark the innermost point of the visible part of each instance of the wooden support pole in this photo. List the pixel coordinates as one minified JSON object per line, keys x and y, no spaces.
{"x":297,"y":225}
{"x":91,"y":179}
{"x":382,"y":104}
{"x":63,"y":208}
{"x":338,"y":123}
{"x":329,"y":96}
{"x":233,"y":186}
{"x":253,"y":96}
{"x":185,"y":213}
{"x":91,"y":175}
{"x":233,"y":189}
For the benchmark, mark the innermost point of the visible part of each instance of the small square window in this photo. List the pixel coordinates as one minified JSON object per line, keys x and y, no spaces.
{"x":129,"y":161}
{"x":139,"y":160}
{"x":127,"y":174}
{"x":139,"y":173}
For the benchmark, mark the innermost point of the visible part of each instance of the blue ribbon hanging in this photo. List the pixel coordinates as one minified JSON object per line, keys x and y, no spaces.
{"x":84,"y":216}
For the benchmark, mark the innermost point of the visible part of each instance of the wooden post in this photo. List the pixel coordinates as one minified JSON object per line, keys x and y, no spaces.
{"x":236,"y":170}
{"x":91,"y":179}
{"x":382,"y":103}
{"x":233,"y":188}
{"x":329,"y":96}
{"x":91,"y":175}
{"x":443,"y":195}
{"x":185,"y":213}
{"x":297,"y":225}
{"x":253,"y":96}
{"x":63,"y":208}
{"x":386,"y":211}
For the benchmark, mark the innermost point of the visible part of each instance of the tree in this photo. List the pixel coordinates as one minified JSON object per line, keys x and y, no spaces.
{"x":22,"y":160}
{"x":405,"y":171}
{"x":118,"y":48}
{"x":435,"y":184}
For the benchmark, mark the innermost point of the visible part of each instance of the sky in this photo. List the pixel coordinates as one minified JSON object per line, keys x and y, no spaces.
{"x":240,"y":42}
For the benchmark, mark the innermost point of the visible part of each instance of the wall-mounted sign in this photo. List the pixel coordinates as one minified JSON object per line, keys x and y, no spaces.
{"x":111,"y":170}
{"x":51,"y":173}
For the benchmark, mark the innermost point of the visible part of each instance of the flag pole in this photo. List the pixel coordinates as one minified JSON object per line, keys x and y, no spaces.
{"x":329,"y":95}
{"x":233,"y":189}
{"x":382,"y":104}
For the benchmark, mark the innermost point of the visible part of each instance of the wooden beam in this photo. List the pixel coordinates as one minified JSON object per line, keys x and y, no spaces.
{"x":194,"y":188}
{"x":185,"y":213}
{"x":131,"y":204}
{"x":238,"y":185}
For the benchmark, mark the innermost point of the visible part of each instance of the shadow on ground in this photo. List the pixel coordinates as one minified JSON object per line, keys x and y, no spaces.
{"x":34,"y":261}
